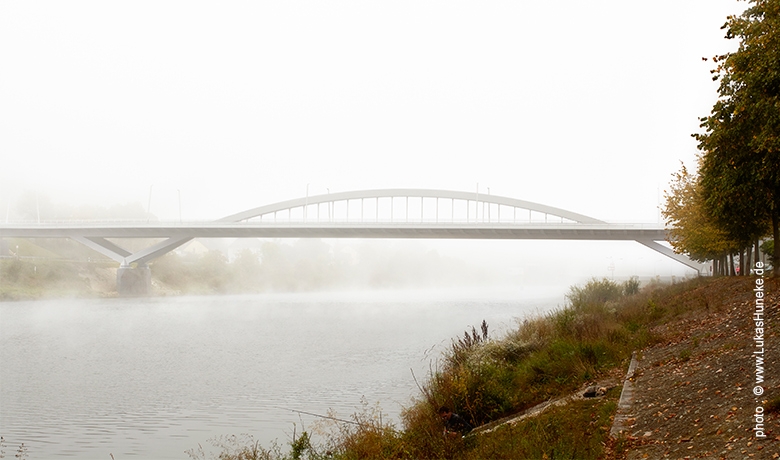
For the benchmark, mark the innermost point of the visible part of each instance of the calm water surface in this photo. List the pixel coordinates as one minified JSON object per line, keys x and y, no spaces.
{"x":151,"y":378}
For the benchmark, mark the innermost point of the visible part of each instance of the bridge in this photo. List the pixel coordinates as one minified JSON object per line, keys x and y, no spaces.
{"x":389,"y":213}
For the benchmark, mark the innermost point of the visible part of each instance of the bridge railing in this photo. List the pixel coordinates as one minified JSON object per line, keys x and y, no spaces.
{"x":310,"y":222}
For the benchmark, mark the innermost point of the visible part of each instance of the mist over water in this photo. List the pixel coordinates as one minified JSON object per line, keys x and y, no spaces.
{"x":153,"y":377}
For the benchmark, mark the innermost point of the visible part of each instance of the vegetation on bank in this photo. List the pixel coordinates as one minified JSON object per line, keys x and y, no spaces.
{"x":39,"y":278}
{"x":486,"y":379}
{"x":47,"y":267}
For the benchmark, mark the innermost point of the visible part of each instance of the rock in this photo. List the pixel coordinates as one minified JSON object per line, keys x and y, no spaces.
{"x":593,"y":391}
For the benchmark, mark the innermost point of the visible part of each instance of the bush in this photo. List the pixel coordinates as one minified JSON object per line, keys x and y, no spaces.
{"x":595,"y":292}
{"x":546,"y":357}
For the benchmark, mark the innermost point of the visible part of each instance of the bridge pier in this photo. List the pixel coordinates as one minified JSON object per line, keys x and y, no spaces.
{"x":134,"y":281}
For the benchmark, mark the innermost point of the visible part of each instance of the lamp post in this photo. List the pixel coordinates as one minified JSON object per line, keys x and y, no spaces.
{"x":476,"y":205}
{"x":149,"y":204}
{"x":330,"y":207}
{"x":306,"y":203}
{"x":488,"y":205}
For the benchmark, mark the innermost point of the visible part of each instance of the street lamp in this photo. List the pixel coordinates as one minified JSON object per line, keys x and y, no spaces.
{"x":149,"y":204}
{"x":306,"y":203}
{"x":476,"y":206}
{"x":330,"y":207}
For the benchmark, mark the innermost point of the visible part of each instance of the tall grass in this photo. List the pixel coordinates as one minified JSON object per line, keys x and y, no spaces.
{"x":547,"y":356}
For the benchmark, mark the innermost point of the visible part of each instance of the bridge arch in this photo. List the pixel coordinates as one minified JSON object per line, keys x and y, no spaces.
{"x":468,"y":197}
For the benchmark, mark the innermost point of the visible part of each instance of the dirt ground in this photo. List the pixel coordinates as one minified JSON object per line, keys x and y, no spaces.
{"x":693,"y":393}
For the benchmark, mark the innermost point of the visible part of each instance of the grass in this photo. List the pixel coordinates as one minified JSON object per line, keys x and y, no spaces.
{"x":578,"y":431}
{"x":37,"y":278}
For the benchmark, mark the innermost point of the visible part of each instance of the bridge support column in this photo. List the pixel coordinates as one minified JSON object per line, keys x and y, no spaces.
{"x":134,"y":281}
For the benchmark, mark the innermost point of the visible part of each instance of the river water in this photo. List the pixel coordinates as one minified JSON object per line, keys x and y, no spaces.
{"x":154,"y":377}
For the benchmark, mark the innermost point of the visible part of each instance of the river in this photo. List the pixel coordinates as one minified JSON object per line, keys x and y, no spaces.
{"x":154,"y":377}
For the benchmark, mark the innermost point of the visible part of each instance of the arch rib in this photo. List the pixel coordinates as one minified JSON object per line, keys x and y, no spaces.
{"x":396,"y":193}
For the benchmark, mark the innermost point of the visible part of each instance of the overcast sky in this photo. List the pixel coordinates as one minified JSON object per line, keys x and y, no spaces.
{"x":587,"y":106}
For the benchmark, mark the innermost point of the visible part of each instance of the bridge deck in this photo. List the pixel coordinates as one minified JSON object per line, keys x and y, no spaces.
{"x":567,"y":231}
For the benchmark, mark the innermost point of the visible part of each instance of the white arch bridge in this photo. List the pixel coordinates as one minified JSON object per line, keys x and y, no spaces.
{"x":389,"y":213}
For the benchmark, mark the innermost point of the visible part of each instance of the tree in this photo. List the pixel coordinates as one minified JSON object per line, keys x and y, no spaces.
{"x":691,"y":229}
{"x":740,"y":164}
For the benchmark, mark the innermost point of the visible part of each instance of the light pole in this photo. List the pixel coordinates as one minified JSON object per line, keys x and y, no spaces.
{"x":476,"y":205}
{"x":306,"y":203}
{"x":149,"y":204}
{"x":179,"y":204}
{"x":330,"y":207}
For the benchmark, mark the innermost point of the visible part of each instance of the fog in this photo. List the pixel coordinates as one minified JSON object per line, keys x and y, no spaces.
{"x":194,"y":111}
{"x":584,"y":106}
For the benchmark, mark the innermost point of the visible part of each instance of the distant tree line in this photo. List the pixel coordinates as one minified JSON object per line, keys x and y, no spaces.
{"x":311,"y":265}
{"x":729,"y":209}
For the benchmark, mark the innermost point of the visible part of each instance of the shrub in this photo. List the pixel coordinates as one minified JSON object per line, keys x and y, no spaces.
{"x":367,"y":435}
{"x":595,"y":292}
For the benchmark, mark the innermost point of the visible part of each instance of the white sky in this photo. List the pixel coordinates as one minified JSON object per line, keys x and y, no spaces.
{"x":587,"y":106}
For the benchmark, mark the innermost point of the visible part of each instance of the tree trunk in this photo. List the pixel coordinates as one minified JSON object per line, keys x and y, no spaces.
{"x":740,"y":262}
{"x":748,"y":260}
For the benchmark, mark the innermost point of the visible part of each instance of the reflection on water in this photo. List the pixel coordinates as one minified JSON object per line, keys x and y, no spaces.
{"x":151,"y":378}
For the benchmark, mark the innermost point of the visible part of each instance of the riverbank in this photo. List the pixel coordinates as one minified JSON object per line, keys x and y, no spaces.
{"x":693,"y":386}
{"x":33,"y":278}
